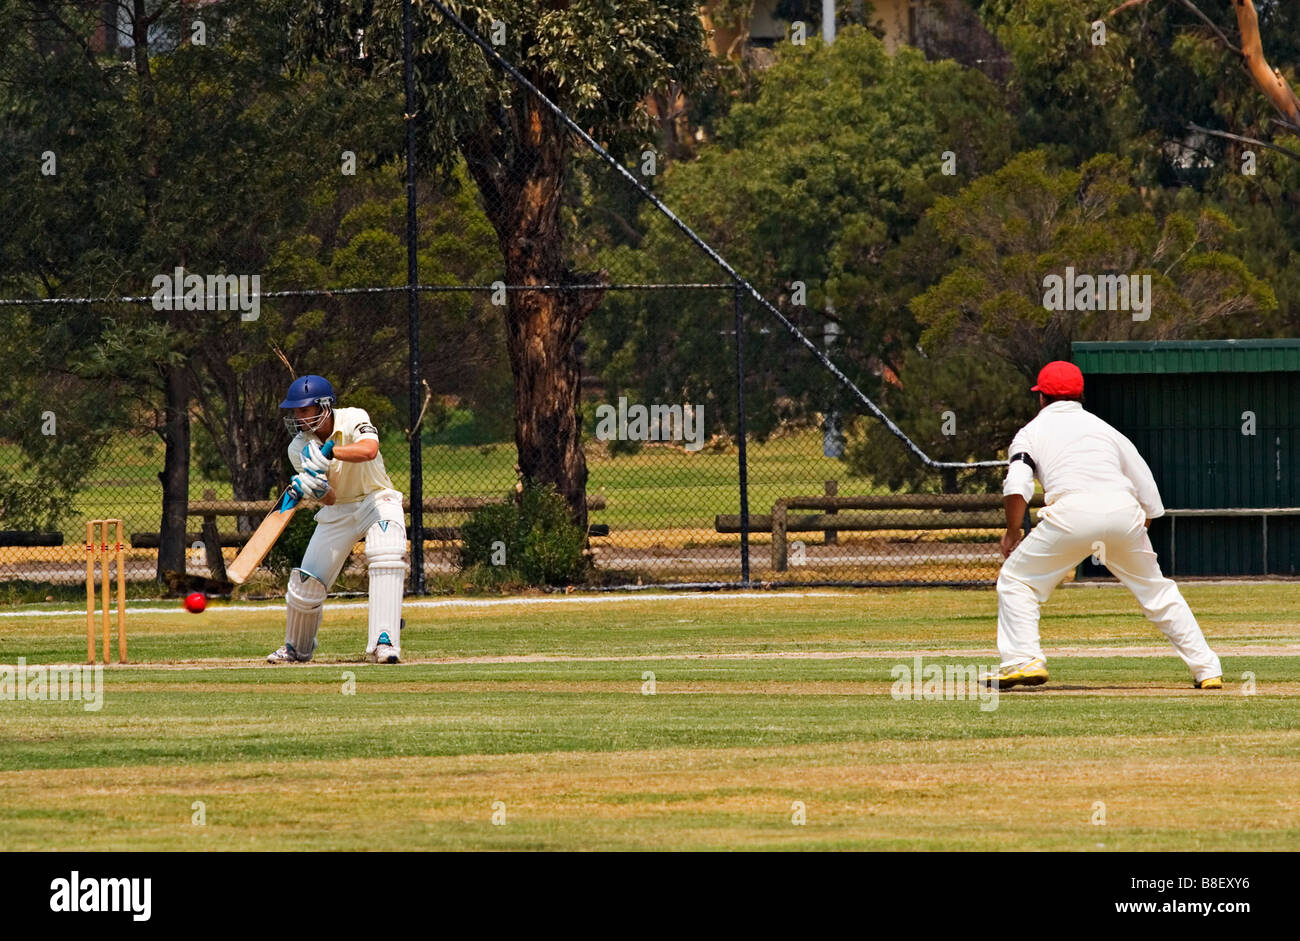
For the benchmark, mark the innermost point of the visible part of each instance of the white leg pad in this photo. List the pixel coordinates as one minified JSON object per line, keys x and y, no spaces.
{"x":305,"y":606}
{"x":385,"y":553}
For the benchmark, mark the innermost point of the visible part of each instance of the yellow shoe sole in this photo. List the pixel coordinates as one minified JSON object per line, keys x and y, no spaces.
{"x":1029,"y":675}
{"x":1213,"y":682}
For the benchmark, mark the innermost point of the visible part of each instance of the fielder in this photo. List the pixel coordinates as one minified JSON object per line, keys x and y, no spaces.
{"x":1100,"y":499}
{"x":359,"y":502}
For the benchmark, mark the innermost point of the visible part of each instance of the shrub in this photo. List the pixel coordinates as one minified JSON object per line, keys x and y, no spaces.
{"x":542,"y":544}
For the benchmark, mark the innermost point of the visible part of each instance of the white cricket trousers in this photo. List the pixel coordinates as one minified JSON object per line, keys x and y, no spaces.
{"x":341,"y":526}
{"x":1111,"y":527}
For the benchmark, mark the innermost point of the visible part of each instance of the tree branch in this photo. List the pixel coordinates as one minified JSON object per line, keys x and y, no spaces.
{"x":1191,"y":6}
{"x":1210,"y":23}
{"x":1268,"y":79}
{"x":1245,"y":140}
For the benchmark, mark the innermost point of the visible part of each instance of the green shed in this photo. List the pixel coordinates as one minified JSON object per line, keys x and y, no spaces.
{"x":1219,"y":423}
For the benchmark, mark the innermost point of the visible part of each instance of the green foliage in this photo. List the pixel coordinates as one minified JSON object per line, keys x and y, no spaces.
{"x":212,"y":164}
{"x":1012,"y":228}
{"x":598,"y":62}
{"x":31,"y":504}
{"x":821,"y":180}
{"x":251,"y":179}
{"x":1160,"y":69}
{"x":542,"y":544}
{"x":57,"y":422}
{"x":822,"y":172}
{"x":961,"y":406}
{"x":1075,"y":98}
{"x":987,"y":329}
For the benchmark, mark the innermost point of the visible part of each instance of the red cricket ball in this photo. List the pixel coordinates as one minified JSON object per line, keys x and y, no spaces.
{"x":195,"y":602}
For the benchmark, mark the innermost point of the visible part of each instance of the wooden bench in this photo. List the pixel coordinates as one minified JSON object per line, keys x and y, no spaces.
{"x":905,"y":511}
{"x":210,"y":508}
{"x":1224,"y":513}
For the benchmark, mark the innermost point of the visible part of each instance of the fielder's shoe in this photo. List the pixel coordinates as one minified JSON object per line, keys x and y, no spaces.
{"x":287,"y":654}
{"x":1210,"y":682}
{"x":1033,"y":673}
{"x":385,"y":652}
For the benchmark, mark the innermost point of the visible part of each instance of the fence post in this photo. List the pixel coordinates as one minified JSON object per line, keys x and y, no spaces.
{"x":1173,"y":544}
{"x":413,"y":316}
{"x":780,"y":556}
{"x":1264,"y":521}
{"x":740,"y":434}
{"x":831,"y":536}
{"x":212,"y":542}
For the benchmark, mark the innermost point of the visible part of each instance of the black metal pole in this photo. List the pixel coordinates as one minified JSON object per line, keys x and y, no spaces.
{"x":413,"y":316}
{"x":740,"y":434}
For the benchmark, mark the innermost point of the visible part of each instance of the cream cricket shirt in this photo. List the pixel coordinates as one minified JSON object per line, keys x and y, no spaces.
{"x":1074,"y":451}
{"x":351,"y":481}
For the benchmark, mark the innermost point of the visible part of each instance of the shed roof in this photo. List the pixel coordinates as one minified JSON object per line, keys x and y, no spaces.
{"x":1184,"y":356}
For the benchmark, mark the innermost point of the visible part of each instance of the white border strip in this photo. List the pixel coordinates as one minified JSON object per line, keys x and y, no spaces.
{"x":461,"y":602}
{"x":611,"y":598}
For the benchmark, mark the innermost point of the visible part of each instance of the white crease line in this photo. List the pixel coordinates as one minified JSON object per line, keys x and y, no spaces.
{"x":1100,"y":653}
{"x":460,"y":602}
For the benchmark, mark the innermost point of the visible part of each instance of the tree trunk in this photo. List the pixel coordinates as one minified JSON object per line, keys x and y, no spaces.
{"x":522,"y":193}
{"x":175,"y":475}
{"x":544,"y":360}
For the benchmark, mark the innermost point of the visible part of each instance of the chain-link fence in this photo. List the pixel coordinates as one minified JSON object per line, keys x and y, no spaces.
{"x":238,"y":226}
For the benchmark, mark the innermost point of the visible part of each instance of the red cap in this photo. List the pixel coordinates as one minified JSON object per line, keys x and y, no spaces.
{"x":1059,"y":378}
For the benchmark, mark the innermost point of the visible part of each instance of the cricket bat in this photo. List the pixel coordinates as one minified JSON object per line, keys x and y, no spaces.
{"x":260,"y":543}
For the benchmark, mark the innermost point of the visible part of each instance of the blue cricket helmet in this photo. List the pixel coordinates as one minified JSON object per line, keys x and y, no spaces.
{"x":309,"y":390}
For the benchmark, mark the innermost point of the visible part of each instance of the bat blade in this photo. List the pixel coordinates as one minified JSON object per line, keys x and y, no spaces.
{"x":260,"y":543}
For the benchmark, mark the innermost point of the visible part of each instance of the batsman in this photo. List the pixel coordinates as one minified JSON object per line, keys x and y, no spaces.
{"x":358,"y":502}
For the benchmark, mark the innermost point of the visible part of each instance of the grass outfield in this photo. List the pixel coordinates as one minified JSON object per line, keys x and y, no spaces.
{"x":762,"y":706}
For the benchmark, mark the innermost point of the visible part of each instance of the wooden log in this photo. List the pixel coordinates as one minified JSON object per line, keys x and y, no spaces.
{"x":226,"y":540}
{"x":951,"y":502}
{"x":730,"y":523}
{"x":22,"y":537}
{"x":234,"y":540}
{"x":431,"y":505}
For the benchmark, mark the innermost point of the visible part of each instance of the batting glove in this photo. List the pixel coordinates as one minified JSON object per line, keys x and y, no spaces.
{"x":314,"y":459}
{"x":314,"y":484}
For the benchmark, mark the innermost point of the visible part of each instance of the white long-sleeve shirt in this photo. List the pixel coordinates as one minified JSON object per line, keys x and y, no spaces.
{"x":1074,"y":451}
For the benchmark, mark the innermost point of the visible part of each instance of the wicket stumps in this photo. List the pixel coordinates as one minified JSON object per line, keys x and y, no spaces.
{"x":99,"y":552}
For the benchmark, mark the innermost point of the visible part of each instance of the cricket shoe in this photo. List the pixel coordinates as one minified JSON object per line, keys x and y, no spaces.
{"x":287,"y":654}
{"x":1033,"y":673}
{"x":385,"y":652}
{"x":1210,"y":682}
